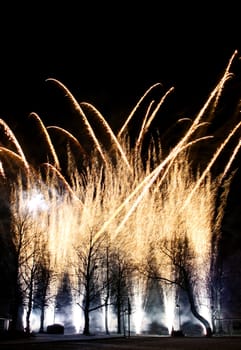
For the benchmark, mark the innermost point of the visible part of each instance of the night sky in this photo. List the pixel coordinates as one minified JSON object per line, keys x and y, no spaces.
{"x":110,"y":55}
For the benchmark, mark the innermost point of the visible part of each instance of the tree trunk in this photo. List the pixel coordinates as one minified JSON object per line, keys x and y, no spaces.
{"x":118,"y":316}
{"x":106,"y":317}
{"x":42,"y":315}
{"x":87,"y":322}
{"x":29,"y":310}
{"x":16,"y":323}
{"x":193,"y":306}
{"x":107,"y":291}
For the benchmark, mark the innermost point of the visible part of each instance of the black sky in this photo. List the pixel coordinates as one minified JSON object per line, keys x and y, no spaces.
{"x":110,"y":54}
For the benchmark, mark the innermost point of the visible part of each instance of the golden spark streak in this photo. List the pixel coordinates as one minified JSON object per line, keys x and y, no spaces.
{"x":135,"y":109}
{"x":55,"y":171}
{"x":210,"y":164}
{"x":15,"y":156}
{"x":13,"y":139}
{"x":108,"y":130}
{"x":153,"y":177}
{"x":81,"y":113}
{"x":69,"y":136}
{"x":157,"y":108}
{"x":227,"y":75}
{"x":141,"y":134}
{"x":146,"y":183}
{"x":47,"y":138}
{"x":231,"y":159}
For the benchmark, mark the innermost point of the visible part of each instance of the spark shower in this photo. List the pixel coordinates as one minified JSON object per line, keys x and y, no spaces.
{"x":117,"y":200}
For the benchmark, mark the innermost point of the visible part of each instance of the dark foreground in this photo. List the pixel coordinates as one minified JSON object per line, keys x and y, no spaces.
{"x":120,"y":343}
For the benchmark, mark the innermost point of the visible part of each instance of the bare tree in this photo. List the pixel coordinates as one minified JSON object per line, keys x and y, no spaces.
{"x":121,"y":273}
{"x":180,"y":256}
{"x":28,"y":276}
{"x":107,"y":283}
{"x":27,"y":240}
{"x":90,"y":288}
{"x":43,"y":278}
{"x":22,"y":240}
{"x":6,"y":249}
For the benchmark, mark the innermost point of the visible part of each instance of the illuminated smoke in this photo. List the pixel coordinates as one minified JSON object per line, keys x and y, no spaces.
{"x":145,"y":208}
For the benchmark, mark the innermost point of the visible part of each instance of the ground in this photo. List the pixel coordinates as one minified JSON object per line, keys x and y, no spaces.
{"x":125,"y":343}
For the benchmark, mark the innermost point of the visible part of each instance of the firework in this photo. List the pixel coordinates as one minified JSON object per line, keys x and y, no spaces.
{"x":159,"y":211}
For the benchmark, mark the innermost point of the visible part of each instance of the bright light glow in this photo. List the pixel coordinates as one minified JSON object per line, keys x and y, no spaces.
{"x":36,"y":203}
